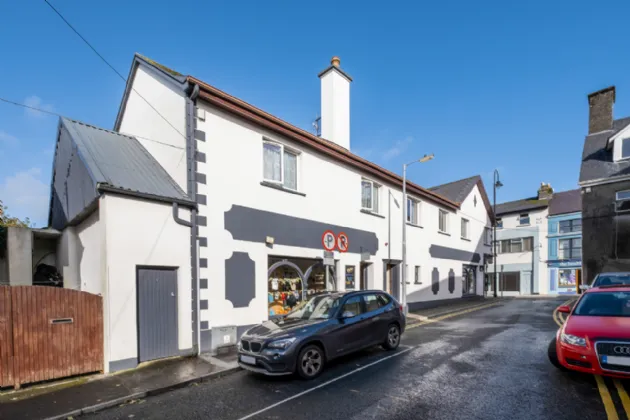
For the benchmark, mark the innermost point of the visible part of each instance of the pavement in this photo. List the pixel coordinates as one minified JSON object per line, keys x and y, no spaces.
{"x":488,"y":362}
{"x":93,"y":394}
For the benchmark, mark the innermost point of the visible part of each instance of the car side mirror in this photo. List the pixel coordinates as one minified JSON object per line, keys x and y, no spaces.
{"x":565,"y":309}
{"x":584,"y":287}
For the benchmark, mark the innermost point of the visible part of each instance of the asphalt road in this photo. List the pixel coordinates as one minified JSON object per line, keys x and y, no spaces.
{"x":489,"y":363}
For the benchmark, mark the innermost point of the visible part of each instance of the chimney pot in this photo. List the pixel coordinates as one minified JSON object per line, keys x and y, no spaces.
{"x":600,"y":115}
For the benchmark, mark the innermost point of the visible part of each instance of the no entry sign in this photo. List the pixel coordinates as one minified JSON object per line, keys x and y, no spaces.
{"x":328,"y":240}
{"x":342,"y":242}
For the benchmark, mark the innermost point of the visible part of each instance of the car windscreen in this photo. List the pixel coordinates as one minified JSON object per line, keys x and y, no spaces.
{"x":610,"y":279}
{"x":611,"y":303}
{"x":317,"y":307}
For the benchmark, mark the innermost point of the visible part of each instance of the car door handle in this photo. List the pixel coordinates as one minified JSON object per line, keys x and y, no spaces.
{"x":376,"y":318}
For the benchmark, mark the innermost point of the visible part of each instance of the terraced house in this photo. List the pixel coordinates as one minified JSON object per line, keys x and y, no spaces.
{"x":248,"y":204}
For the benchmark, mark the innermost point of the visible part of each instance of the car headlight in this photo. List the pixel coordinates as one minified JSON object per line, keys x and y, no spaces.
{"x":573,"y":340}
{"x":281,"y":344}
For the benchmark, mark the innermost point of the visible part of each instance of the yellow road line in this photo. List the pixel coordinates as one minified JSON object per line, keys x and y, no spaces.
{"x":440,"y":318}
{"x":609,"y":405}
{"x":623,"y":395}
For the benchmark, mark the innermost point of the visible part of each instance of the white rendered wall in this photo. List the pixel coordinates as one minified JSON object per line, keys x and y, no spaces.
{"x":335,"y":108}
{"x":90,"y":254}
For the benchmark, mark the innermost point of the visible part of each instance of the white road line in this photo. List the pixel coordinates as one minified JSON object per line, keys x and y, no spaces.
{"x":249,"y":416}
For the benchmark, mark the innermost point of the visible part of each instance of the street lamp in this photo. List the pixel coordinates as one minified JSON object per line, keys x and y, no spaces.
{"x":425,"y":158}
{"x":496,"y":184}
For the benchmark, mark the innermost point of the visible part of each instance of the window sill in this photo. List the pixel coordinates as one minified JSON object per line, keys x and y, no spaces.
{"x":444,"y":233}
{"x":281,"y":188}
{"x":465,"y":239}
{"x":371,"y":213}
{"x":414,"y":225}
{"x":524,"y":225}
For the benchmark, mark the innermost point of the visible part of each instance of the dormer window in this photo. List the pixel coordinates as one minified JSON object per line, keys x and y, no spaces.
{"x":625,"y":148}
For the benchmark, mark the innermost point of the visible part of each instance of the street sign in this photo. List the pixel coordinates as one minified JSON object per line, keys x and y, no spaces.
{"x":329,"y":254}
{"x":365,"y":256}
{"x":328,"y":240}
{"x":329,"y":258}
{"x":342,"y":242}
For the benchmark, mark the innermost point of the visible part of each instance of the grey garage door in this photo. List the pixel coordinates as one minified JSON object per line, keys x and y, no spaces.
{"x":157,"y":313}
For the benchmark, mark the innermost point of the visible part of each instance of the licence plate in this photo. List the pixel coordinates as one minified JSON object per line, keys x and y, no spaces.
{"x":615,"y":360}
{"x":248,"y":359}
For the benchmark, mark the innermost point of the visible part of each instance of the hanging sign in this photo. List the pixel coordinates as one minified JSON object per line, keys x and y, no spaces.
{"x":328,"y":240}
{"x":342,"y":242}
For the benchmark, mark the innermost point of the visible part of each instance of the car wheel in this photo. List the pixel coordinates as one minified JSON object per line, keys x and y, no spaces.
{"x":552,"y":353}
{"x":393,"y":337}
{"x":310,"y":362}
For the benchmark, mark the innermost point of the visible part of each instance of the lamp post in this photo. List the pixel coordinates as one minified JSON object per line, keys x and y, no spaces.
{"x":425,"y":158}
{"x":496,"y":184}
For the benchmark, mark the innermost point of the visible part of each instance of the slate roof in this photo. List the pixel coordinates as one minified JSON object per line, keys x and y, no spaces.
{"x":457,"y":191}
{"x":566,"y":202}
{"x":120,"y":162}
{"x":532,"y":203}
{"x":597,"y":160}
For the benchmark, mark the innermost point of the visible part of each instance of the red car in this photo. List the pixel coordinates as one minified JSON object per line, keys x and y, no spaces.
{"x":596,"y":335}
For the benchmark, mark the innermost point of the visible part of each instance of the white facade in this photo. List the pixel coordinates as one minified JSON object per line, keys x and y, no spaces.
{"x":335,"y":103}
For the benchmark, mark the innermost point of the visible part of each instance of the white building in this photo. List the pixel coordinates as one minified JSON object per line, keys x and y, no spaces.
{"x":231,"y":221}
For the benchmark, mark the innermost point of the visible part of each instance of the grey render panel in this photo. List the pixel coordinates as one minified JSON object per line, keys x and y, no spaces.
{"x":253,"y":225}
{"x":201,"y":178}
{"x":203,"y":283}
{"x":157,"y":313}
{"x":205,"y":337}
{"x":240,"y":279}
{"x":203,"y":304}
{"x":120,"y":161}
{"x":200,"y":157}
{"x":203,"y":242}
{"x":566,"y":202}
{"x":435,"y":281}
{"x":200,"y":135}
{"x":457,"y":191}
{"x":124,"y":364}
{"x":203,"y":325}
{"x":202,"y":221}
{"x":202,"y":199}
{"x":446,"y":253}
{"x":203,"y":262}
{"x":451,"y":281}
{"x":597,"y":159}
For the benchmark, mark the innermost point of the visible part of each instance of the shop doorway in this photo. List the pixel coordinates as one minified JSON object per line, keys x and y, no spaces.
{"x":363,"y":279}
{"x":469,"y":279}
{"x":293,"y":280}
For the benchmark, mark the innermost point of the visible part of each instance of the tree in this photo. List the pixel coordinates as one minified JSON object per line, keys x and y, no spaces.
{"x":8,"y":221}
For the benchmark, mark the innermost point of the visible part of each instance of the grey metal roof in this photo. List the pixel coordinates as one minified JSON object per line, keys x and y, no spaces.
{"x":457,"y":191}
{"x":521,"y":205}
{"x":119,"y":161}
{"x":597,"y":160}
{"x":566,"y":202}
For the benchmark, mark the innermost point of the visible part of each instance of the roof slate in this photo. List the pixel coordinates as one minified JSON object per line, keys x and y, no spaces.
{"x":457,"y":191}
{"x":521,"y":205}
{"x":597,"y":160}
{"x":121,"y":162}
{"x":566,"y":202}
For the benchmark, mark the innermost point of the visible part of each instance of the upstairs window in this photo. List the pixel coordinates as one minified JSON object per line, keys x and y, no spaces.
{"x":570,"y":248}
{"x":443,"y":221}
{"x":280,"y":165}
{"x":369,"y":195}
{"x":625,"y":148}
{"x":568,"y":226}
{"x":509,"y":246}
{"x":499,"y":223}
{"x":465,"y":229}
{"x":523,"y":219}
{"x":413,"y":210}
{"x":623,"y":201}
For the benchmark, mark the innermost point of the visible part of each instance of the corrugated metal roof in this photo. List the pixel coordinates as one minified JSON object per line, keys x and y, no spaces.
{"x":565,"y":202}
{"x":457,"y":191}
{"x":597,"y":159}
{"x":121,"y":162}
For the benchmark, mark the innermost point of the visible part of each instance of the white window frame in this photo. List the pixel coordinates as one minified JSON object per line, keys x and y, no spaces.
{"x":499,"y":222}
{"x":376,"y":191}
{"x":465,"y":232}
{"x":416,"y":206}
{"x":446,"y":221}
{"x":417,"y":275}
{"x":520,"y":219}
{"x":623,"y":140}
{"x":624,"y":192}
{"x":283,"y":149}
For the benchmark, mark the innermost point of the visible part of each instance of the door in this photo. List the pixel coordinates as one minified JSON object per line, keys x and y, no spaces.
{"x":389,"y":280}
{"x":526,"y":282}
{"x":157,"y":313}
{"x":364,"y":276}
{"x":578,"y":280}
{"x":469,"y":279}
{"x":378,"y":319}
{"x":351,"y":332}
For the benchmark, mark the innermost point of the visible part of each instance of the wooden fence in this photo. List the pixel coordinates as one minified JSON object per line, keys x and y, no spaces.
{"x":48,"y":333}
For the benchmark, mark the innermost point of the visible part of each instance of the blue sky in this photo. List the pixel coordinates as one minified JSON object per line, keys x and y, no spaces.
{"x":482,"y":85}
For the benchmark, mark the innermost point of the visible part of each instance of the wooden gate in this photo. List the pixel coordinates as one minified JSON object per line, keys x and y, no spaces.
{"x":48,"y":333}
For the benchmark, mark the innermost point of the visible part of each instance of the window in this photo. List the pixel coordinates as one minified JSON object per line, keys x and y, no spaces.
{"x":523,"y":219}
{"x":570,"y":248}
{"x":443,"y":222}
{"x":623,"y":195}
{"x":508,"y":246}
{"x":413,"y":210}
{"x":604,"y":303}
{"x":352,"y":307}
{"x":499,"y":223}
{"x":508,"y":281}
{"x":383,"y":300}
{"x":369,"y":195}
{"x":625,"y":148}
{"x":487,"y":236}
{"x":416,"y":275}
{"x":567,"y":226}
{"x":280,"y":165}
{"x":465,"y":228}
{"x":371,"y":302}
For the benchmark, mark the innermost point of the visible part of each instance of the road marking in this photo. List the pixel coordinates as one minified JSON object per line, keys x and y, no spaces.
{"x":308,"y":391}
{"x":440,"y":318}
{"x":609,"y":405}
{"x":623,"y":395}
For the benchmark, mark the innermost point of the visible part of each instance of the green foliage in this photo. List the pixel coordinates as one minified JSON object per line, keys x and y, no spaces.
{"x":8,"y":221}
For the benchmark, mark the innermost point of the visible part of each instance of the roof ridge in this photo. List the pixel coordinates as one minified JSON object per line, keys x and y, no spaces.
{"x":453,"y":182}
{"x":98,"y":128}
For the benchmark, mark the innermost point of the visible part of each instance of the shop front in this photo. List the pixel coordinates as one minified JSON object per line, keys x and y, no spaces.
{"x":293,"y":280}
{"x":565,"y":278}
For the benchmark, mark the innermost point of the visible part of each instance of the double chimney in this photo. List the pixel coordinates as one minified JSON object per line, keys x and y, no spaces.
{"x":600,"y":114}
{"x":335,"y":103}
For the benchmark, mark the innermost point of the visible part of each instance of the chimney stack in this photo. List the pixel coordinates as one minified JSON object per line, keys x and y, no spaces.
{"x":335,"y":104}
{"x":600,"y":114}
{"x":545,"y":192}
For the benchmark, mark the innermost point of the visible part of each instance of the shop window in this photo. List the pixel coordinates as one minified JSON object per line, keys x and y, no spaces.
{"x":280,"y":165}
{"x":350,"y":277}
{"x":370,"y":195}
{"x":465,"y":228}
{"x":510,"y":282}
{"x":567,"y":278}
{"x":352,"y":307}
{"x":443,"y":221}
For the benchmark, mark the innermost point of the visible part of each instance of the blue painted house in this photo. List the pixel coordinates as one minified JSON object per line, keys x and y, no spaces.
{"x":565,"y":242}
